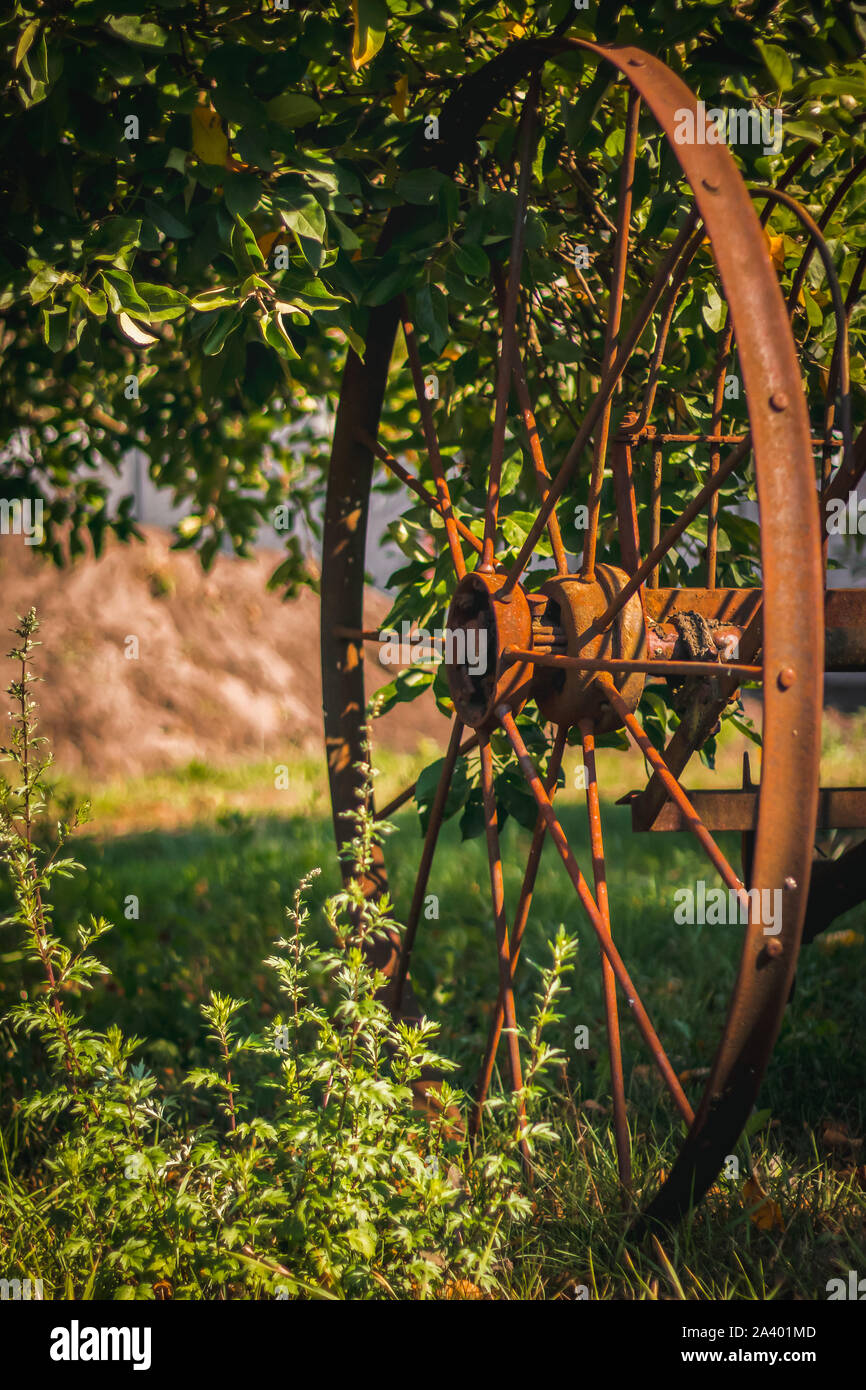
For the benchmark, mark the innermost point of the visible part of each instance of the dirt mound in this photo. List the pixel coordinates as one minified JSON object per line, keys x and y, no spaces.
{"x":149,"y":663}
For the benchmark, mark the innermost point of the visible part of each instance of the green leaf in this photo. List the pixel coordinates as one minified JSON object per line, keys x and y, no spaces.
{"x":214,"y":299}
{"x":371,"y":20}
{"x":293,"y":109}
{"x":245,"y":250}
{"x":713,"y":311}
{"x":121,"y":292}
{"x":137,"y":31}
{"x":55,"y":328}
{"x":242,"y":193}
{"x":28,"y":34}
{"x":421,"y":186}
{"x":218,"y":332}
{"x":407,"y":686}
{"x":472,"y":261}
{"x":112,"y":237}
{"x":431,"y":316}
{"x":160,"y":303}
{"x":303,"y":215}
{"x":275,"y":335}
{"x":777,"y":63}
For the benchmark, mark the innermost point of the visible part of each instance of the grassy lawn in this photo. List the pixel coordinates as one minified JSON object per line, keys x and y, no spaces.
{"x":212,"y":880}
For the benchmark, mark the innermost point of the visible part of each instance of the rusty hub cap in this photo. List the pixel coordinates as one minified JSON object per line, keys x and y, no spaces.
{"x":573,"y":604}
{"x":480,"y":627}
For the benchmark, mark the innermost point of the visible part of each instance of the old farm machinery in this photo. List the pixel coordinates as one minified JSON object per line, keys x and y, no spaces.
{"x":579,"y":640}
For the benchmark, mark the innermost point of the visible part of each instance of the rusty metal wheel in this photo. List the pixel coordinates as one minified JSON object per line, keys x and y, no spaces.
{"x":583,"y":642}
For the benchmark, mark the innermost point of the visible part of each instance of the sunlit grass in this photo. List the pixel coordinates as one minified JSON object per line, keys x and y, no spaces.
{"x":213,"y":857}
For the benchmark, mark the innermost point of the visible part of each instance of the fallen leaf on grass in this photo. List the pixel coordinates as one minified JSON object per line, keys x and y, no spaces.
{"x":766,"y":1214}
{"x":462,"y":1288}
{"x":694,"y":1074}
{"x":835,"y":1136}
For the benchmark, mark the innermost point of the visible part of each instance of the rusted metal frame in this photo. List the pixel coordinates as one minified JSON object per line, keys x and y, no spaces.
{"x":676,"y":793}
{"x":521,"y":917}
{"x":509,"y":326}
{"x":605,"y":391}
{"x":817,"y":240}
{"x":542,"y":476}
{"x":596,"y":920}
{"x":624,"y":665}
{"x":614,"y":319}
{"x":673,"y":533}
{"x":608,"y":979}
{"x":415,"y":485}
{"x":696,"y":725}
{"x":497,"y":890}
{"x":432,"y":441}
{"x":408,"y":792}
{"x":733,"y":808}
{"x":434,"y":825}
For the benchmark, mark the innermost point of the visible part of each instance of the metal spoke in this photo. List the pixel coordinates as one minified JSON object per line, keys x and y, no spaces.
{"x":615,"y":665}
{"x":434,"y":824}
{"x":520,"y":919}
{"x":432,"y":442}
{"x":626,"y":508}
{"x":416,"y":486}
{"x":672,"y":535}
{"x":509,"y":326}
{"x":614,"y":319}
{"x":715,"y":453}
{"x":497,"y":890}
{"x":596,"y":842}
{"x":606,"y":389}
{"x":676,"y":793}
{"x":497,"y":886}
{"x":597,"y":922}
{"x":655,"y":513}
{"x":542,"y":474}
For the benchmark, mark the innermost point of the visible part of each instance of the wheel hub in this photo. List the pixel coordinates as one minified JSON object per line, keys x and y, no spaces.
{"x":573,"y":604}
{"x":480,"y":626}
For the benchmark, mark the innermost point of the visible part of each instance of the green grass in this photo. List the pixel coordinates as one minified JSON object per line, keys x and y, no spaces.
{"x":211,"y":894}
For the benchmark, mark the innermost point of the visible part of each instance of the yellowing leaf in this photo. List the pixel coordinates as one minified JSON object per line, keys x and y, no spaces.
{"x":400,"y":98}
{"x":135,"y":332}
{"x":516,"y":30}
{"x":832,"y":939}
{"x":265,"y":240}
{"x":208,"y":137}
{"x":766,"y":1214}
{"x":371,"y":18}
{"x":776,"y":248}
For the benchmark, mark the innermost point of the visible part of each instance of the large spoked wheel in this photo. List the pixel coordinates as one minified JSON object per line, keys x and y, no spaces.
{"x":577,"y":643}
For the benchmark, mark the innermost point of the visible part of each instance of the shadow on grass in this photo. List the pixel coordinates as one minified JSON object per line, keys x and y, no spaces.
{"x":199,"y":909}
